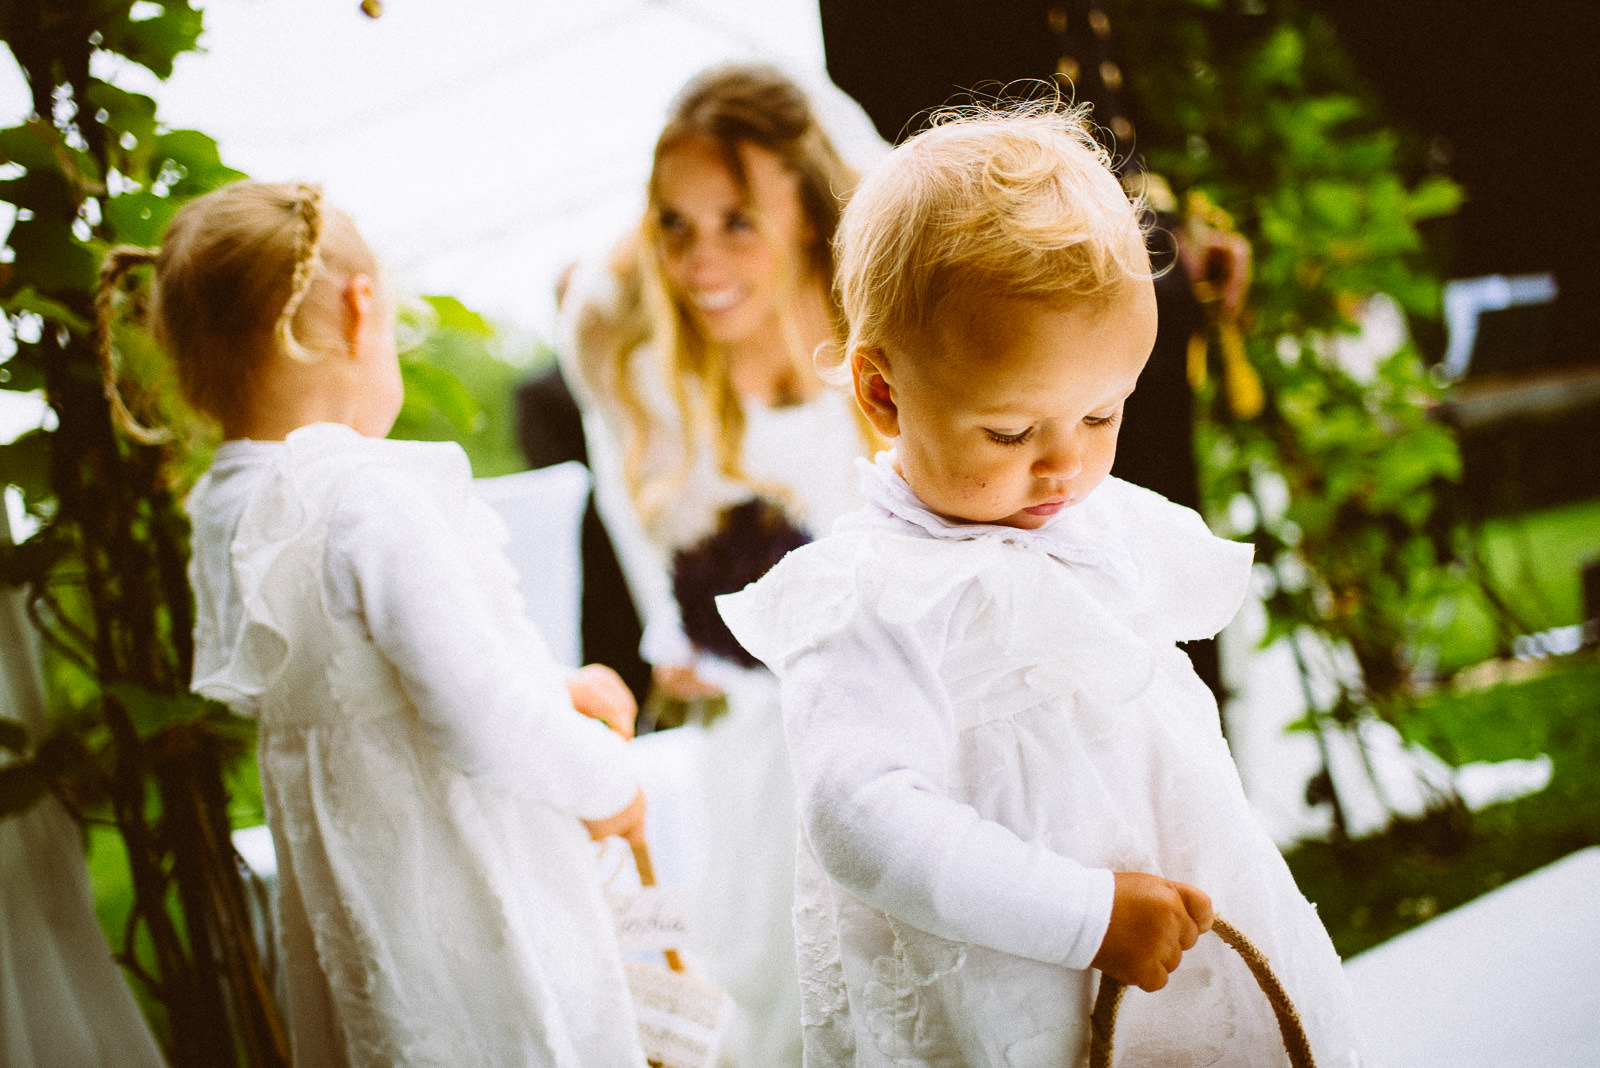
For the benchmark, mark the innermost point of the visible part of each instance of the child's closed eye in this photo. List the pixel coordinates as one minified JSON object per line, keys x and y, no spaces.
{"x":1009,"y":437}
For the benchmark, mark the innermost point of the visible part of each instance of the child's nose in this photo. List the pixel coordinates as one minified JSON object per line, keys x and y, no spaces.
{"x":1061,"y":456}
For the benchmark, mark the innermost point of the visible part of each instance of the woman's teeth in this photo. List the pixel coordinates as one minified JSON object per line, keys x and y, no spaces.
{"x":716,"y":300}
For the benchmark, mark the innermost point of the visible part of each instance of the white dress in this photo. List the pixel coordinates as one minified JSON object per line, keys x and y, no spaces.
{"x":984,"y":723}
{"x":424,"y":772}
{"x":744,"y":897}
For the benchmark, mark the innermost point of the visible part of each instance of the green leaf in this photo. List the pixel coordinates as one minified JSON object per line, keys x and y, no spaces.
{"x":433,"y":389}
{"x":25,"y":463}
{"x":454,"y":315}
{"x":13,"y":735}
{"x":1280,"y":57}
{"x":155,"y":42}
{"x":49,"y":258}
{"x":153,"y":712}
{"x":140,"y":218}
{"x":197,"y":156}
{"x":126,"y":113}
{"x":21,"y":374}
{"x":53,"y":311}
{"x":30,"y":145}
{"x":44,"y":191}
{"x":1434,"y":197}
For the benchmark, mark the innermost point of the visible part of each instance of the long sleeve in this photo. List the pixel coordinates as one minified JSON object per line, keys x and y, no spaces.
{"x":871,"y":734}
{"x":490,"y":696}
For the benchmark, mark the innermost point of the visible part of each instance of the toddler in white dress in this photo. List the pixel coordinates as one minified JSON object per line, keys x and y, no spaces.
{"x":427,"y":774}
{"x":1008,"y":774}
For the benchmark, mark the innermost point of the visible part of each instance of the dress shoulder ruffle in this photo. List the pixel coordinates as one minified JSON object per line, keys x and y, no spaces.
{"x":1088,"y":613}
{"x":272,"y":550}
{"x":1191,"y":581}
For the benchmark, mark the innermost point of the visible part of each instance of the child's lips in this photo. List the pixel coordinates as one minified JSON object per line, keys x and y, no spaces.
{"x":1048,"y":507}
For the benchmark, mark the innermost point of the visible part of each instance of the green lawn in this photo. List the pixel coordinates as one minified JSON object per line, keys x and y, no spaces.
{"x":1377,"y":887}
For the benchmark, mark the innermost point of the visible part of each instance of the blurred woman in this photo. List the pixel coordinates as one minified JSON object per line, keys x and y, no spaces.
{"x":716,"y":448}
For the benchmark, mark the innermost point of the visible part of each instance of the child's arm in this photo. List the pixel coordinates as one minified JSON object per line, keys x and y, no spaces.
{"x":1154,"y":922}
{"x":599,"y":693}
{"x":489,"y":694}
{"x":871,"y":736}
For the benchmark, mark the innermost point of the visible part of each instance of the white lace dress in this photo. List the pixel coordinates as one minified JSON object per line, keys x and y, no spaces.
{"x":804,"y":456}
{"x":984,"y":723}
{"x":424,"y":773}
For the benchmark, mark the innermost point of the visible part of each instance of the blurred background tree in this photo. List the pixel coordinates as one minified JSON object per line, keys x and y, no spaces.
{"x":104,"y":572}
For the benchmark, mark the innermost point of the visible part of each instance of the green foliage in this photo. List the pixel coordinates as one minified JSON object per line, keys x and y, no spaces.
{"x":1532,"y":563}
{"x":128,"y":747}
{"x":460,"y":374}
{"x":1342,"y":481}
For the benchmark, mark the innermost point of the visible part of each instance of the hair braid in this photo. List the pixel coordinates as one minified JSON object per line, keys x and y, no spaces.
{"x":119,"y":261}
{"x":307,"y":260}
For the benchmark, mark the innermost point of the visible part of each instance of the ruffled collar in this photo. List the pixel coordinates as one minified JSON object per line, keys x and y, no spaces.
{"x":1082,"y":535}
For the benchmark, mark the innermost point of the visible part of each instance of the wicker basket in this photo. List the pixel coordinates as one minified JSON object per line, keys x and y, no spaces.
{"x":682,"y":1019}
{"x":1103,"y":1022}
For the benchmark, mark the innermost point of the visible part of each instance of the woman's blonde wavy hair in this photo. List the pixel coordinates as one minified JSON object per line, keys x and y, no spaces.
{"x":244,"y":272}
{"x":1017,"y":201}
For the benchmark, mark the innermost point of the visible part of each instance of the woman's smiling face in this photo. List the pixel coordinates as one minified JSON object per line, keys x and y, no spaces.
{"x":731,"y":259}
{"x":1010,"y":413}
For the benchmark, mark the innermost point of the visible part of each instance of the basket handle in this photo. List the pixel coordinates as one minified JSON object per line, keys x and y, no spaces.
{"x":647,"y":877}
{"x":1103,"y":1021}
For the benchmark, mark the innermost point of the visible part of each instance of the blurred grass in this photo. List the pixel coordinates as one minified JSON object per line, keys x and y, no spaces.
{"x":1377,"y":887}
{"x":1535,"y":561}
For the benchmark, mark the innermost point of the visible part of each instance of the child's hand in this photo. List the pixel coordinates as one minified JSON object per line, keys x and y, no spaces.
{"x":599,"y":693}
{"x":1154,"y":921}
{"x":627,"y":824}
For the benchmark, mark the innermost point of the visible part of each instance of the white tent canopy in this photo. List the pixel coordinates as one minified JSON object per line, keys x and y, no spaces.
{"x":480,"y":147}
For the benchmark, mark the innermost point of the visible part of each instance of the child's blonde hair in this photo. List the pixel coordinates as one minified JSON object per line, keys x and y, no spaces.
{"x":243,"y":273}
{"x":1016,"y":202}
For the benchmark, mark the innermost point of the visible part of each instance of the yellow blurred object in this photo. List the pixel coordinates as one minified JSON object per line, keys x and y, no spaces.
{"x":1240,"y":381}
{"x":1196,"y":364}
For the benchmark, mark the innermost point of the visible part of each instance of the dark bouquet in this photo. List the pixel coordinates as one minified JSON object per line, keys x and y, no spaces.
{"x":750,"y":538}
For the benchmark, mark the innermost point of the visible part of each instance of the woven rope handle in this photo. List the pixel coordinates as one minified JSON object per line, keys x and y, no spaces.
{"x":1103,"y":1021}
{"x":647,"y":877}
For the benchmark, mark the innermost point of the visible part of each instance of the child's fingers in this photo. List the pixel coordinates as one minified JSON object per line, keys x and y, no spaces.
{"x":627,"y":824}
{"x":1197,"y":903}
{"x":1153,"y":978}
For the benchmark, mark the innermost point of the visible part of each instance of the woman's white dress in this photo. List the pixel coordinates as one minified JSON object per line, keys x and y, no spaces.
{"x":424,"y":772}
{"x":986,"y":722}
{"x":803,"y":456}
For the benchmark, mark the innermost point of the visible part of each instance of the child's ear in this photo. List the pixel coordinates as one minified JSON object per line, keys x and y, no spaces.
{"x":869,"y":372}
{"x":360,"y":305}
